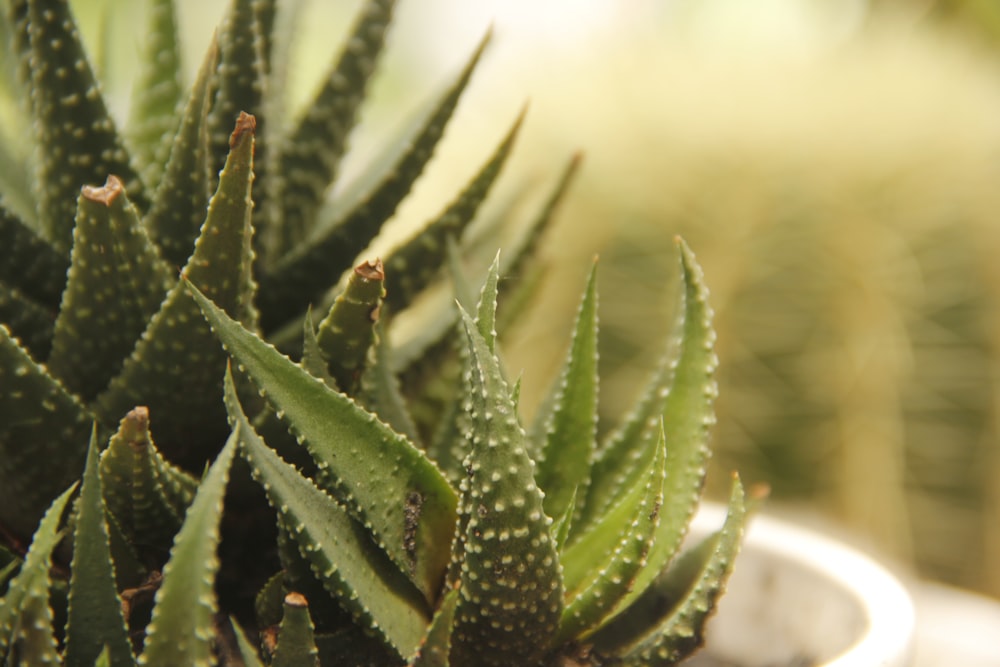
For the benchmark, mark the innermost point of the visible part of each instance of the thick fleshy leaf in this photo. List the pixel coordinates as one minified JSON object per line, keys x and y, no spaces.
{"x":296,"y":642}
{"x":570,"y":429}
{"x":176,"y":367}
{"x":312,"y":357}
{"x":182,"y":193}
{"x":410,"y":267}
{"x":30,"y":263}
{"x":39,"y":421}
{"x":312,"y":152}
{"x":77,"y":140}
{"x":304,"y":274}
{"x":363,"y":462}
{"x":601,"y":567}
{"x":156,"y":92}
{"x":435,"y":649}
{"x":239,"y":80}
{"x":180,"y":631}
{"x":681,"y":396}
{"x":511,"y":589}
{"x":147,"y":496}
{"x":95,"y":622}
{"x":340,"y":552}
{"x":682,"y":631}
{"x":26,"y":622}
{"x":348,"y":331}
{"x":116,"y":283}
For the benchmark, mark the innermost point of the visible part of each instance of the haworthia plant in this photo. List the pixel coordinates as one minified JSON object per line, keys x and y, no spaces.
{"x":219,"y":445}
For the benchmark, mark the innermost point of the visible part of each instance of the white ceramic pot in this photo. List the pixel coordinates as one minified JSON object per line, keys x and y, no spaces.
{"x":800,"y":599}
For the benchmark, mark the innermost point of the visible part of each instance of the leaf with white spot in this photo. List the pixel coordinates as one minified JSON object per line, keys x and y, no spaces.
{"x":116,"y":282}
{"x":570,"y":431}
{"x":296,"y":641}
{"x":176,"y":367}
{"x":310,"y":269}
{"x":363,"y":463}
{"x":681,"y":396}
{"x":682,"y":631}
{"x":26,"y":622}
{"x":436,"y":645}
{"x":311,"y":154}
{"x":339,"y":550}
{"x":180,"y":631}
{"x":71,"y":122}
{"x":411,"y":266}
{"x":511,"y":588}
{"x":30,"y":263}
{"x":35,"y":408}
{"x":95,"y":622}
{"x":601,"y":567}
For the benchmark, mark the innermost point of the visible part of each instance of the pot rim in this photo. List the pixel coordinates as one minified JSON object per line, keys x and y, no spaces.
{"x":889,"y":638}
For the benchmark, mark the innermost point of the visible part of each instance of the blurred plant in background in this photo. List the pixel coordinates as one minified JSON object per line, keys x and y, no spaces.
{"x":835,"y":165}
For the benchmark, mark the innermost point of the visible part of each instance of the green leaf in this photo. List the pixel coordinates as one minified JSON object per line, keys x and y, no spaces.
{"x":296,"y":643}
{"x":247,"y":651}
{"x":600,"y":568}
{"x":35,"y":408}
{"x":71,"y":121}
{"x":180,"y":632}
{"x":339,"y":550}
{"x":95,"y":622}
{"x":116,"y":283}
{"x":681,"y":394}
{"x":239,"y":79}
{"x":26,"y":624}
{"x":176,"y":367}
{"x":305,"y":273}
{"x":30,"y":263}
{"x":147,"y":495}
{"x":348,"y":331}
{"x":312,"y":152}
{"x":182,"y":194}
{"x":511,"y":589}
{"x":380,"y":392}
{"x":436,"y":645}
{"x":28,"y":321}
{"x":156,"y":92}
{"x":681,"y":632}
{"x":363,"y":462}
{"x":571,"y":419}
{"x":411,"y":266}
{"x":312,"y":357}
{"x":486,"y":306}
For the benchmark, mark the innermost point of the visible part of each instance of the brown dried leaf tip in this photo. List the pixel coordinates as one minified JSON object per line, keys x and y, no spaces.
{"x":245,"y":123}
{"x":294,"y":599}
{"x":105,"y":195}
{"x":371,"y":271}
{"x":135,"y":425}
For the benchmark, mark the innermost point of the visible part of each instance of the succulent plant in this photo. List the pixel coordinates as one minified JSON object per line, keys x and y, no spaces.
{"x":369,"y":501}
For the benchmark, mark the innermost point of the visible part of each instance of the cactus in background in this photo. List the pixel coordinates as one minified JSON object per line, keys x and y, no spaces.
{"x":164,"y":321}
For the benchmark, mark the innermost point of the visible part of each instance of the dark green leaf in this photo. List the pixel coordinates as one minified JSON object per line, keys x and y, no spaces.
{"x":35,"y":409}
{"x":304,"y":274}
{"x":116,"y":283}
{"x":180,"y":632}
{"x":72,"y":122}
{"x":353,"y":448}
{"x":296,"y":643}
{"x":436,"y":647}
{"x":340,"y":551}
{"x":95,"y":622}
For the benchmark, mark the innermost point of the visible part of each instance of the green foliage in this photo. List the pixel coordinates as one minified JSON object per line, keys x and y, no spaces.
{"x":330,"y":528}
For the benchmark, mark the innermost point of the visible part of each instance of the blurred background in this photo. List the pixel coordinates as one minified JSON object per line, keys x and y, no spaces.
{"x":835,"y":164}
